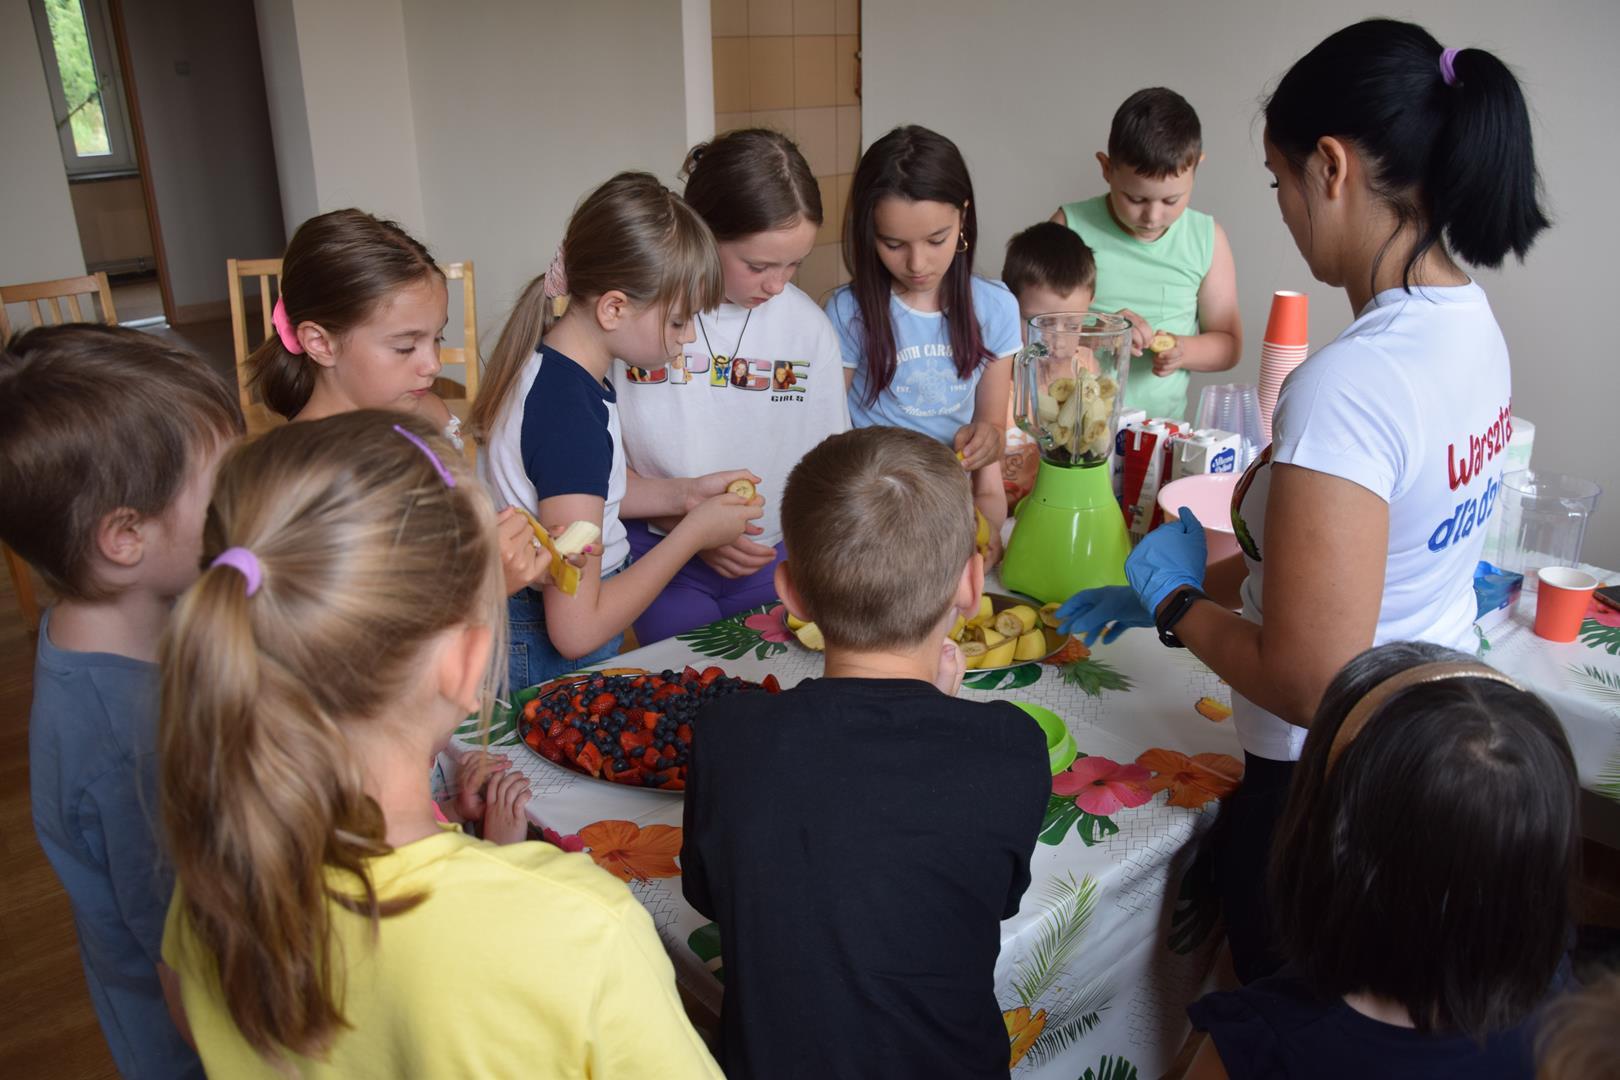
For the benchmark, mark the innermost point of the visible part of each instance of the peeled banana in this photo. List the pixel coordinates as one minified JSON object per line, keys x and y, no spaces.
{"x":574,"y":539}
{"x":809,"y":636}
{"x":981,"y":537}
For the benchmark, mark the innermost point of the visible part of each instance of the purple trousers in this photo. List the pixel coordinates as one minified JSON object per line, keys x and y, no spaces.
{"x":697,"y":596}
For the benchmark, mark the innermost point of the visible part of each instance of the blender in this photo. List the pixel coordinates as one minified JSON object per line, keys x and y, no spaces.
{"x":1068,"y":388}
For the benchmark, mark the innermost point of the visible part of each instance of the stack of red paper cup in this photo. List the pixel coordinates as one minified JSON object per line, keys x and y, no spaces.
{"x":1283,"y":349}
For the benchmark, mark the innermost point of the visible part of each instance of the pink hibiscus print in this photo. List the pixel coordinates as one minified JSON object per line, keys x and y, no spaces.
{"x":1101,"y":786}
{"x":567,"y":843}
{"x":1603,"y":615}
{"x":772,"y":626}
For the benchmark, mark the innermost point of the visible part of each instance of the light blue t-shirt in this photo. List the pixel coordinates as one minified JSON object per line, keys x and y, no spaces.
{"x":926,"y":395}
{"x":92,"y":768}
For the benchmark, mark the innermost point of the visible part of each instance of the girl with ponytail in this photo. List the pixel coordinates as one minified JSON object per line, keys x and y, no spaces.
{"x":358,"y":326}
{"x":635,"y":267}
{"x":346,"y":623}
{"x":1396,"y":161}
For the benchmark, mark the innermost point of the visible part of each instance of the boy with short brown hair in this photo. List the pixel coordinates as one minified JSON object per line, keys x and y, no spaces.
{"x":1165,"y":267}
{"x":108,"y":444}
{"x":859,"y":837}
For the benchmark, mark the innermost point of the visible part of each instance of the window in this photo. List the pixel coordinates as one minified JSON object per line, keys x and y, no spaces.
{"x":75,"y":42}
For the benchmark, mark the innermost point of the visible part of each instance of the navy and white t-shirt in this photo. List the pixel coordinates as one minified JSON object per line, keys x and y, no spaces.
{"x":559,"y":435}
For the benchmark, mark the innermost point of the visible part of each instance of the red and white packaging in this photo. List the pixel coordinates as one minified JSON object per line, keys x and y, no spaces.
{"x":1116,"y":462}
{"x":1206,"y":450}
{"x":1146,"y":469}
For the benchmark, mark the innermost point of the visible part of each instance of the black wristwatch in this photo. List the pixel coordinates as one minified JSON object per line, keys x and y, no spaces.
{"x":1172,"y":611}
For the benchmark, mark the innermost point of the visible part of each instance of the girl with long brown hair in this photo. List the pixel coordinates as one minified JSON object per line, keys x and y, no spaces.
{"x":927,"y":343}
{"x":349,"y":619}
{"x":761,"y":385}
{"x":635,"y":265}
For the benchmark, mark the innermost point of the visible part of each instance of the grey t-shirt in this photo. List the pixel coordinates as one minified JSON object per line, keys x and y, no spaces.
{"x":92,"y":736}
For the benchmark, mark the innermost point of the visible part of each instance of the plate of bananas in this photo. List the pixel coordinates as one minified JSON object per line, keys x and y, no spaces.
{"x":1005,"y":632}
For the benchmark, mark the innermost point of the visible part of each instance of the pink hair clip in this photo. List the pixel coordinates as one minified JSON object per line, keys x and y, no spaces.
{"x":556,"y":287}
{"x":243,"y":562}
{"x":284,"y":328}
{"x":439,"y":466}
{"x":1448,"y":65}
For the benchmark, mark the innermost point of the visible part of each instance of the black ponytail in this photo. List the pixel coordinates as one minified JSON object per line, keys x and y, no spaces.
{"x":1453,"y":158}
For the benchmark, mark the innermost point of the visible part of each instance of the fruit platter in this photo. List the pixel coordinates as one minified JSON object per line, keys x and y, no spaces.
{"x":625,"y":726}
{"x":1005,"y":632}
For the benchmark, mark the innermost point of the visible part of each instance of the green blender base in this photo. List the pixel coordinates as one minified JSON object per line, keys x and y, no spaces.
{"x":1069,"y":535}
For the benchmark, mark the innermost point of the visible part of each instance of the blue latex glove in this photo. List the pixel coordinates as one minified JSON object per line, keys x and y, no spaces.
{"x":1168,"y":558}
{"x":1112,"y":608}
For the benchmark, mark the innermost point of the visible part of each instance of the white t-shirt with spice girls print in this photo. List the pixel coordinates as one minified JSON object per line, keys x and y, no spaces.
{"x":1412,"y":402}
{"x":776,"y":392}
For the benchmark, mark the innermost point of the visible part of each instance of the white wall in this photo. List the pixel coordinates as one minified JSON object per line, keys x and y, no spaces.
{"x":1027,"y":90}
{"x":521,"y":108}
{"x":39,"y":239}
{"x":289,"y":114}
{"x":196,"y":70}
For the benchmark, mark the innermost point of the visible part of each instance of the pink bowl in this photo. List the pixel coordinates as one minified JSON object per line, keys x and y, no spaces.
{"x":1210,"y":496}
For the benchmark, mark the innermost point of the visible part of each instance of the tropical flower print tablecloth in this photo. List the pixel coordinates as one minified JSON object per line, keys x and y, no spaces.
{"x":1118,"y":930}
{"x":1580,"y":680}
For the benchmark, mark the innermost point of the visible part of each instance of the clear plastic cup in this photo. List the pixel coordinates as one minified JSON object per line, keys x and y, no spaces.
{"x":1234,"y":407}
{"x":1543,"y":521}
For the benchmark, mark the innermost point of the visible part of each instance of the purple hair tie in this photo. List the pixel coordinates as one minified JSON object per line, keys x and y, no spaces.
{"x":243,"y":562}
{"x":439,"y":466}
{"x":284,"y":327}
{"x":1448,"y":65}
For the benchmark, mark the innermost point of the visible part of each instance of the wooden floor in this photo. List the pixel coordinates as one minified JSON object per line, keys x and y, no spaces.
{"x":47,"y":1027}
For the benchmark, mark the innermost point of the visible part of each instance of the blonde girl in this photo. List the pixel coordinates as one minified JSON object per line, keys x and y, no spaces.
{"x":635,"y":264}
{"x":358,"y":325}
{"x":345,"y":626}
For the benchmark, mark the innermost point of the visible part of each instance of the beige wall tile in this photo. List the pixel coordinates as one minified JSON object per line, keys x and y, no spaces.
{"x":766,"y":17}
{"x":846,"y":16}
{"x":818,"y":274}
{"x":828,"y":233}
{"x":847,"y":70}
{"x":730,"y":75}
{"x":770,"y":72}
{"x":728,"y":18}
{"x":813,"y":16}
{"x":848,"y":149}
{"x":783,"y":120}
{"x":813,"y":67}
{"x":817,"y":137}
{"x":731,"y":121}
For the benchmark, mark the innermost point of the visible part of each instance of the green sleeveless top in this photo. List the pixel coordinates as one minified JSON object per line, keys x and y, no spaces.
{"x":1159,"y":281}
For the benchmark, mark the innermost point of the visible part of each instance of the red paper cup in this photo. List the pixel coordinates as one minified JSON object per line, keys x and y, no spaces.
{"x":1562,"y":600}
{"x":1290,"y":317}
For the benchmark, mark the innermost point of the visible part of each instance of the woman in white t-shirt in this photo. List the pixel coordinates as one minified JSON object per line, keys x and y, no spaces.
{"x":1363,"y":521}
{"x":761,"y":385}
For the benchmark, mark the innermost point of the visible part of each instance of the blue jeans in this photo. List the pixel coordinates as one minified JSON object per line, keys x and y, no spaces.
{"x":531,"y":657}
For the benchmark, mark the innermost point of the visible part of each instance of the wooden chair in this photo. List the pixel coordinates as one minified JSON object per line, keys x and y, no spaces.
{"x":50,"y":293}
{"x":458,"y":396}
{"x":258,"y":416}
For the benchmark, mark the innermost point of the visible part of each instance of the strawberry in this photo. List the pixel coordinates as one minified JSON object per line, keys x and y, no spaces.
{"x":771,"y":687}
{"x":709,"y":675}
{"x":602,"y":704}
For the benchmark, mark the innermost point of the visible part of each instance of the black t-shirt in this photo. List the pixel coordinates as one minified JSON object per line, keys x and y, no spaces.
{"x":859,"y":841}
{"x":1278,"y":1028}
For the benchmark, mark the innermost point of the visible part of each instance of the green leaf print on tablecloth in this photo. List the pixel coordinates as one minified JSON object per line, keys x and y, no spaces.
{"x":1603,"y":686}
{"x":502,"y":723}
{"x":1062,"y":815}
{"x":761,"y":631}
{"x":705,"y":942}
{"x":1596,"y":634}
{"x":1111,"y":1068}
{"x":1094,"y":676}
{"x":1041,"y":1033}
{"x":1006,"y":679}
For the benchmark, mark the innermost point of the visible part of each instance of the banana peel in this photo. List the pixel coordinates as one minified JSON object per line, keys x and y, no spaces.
{"x":1000,"y":655}
{"x":981,"y":538}
{"x":573,"y":540}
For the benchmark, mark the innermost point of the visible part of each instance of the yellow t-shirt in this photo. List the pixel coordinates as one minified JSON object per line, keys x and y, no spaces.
{"x":523,"y":961}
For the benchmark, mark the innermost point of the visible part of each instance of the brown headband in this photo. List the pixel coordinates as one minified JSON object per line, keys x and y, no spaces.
{"x":1372,"y":700}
